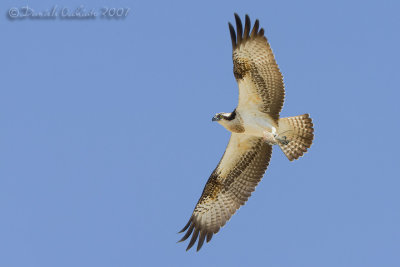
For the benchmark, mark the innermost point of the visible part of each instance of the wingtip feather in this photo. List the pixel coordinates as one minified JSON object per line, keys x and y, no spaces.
{"x":186,"y":226}
{"x":201,"y":239}
{"x":209,"y":236}
{"x":189,"y":231}
{"x":233,"y":35}
{"x":247,"y":26}
{"x":261,"y":32}
{"x":239,"y":29}
{"x":193,"y":240}
{"x":255,"y":28}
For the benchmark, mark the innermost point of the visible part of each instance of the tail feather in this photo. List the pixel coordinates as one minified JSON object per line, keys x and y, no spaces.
{"x":299,"y":133}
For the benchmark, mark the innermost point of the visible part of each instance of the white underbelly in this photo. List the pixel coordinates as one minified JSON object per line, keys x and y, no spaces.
{"x":255,"y":123}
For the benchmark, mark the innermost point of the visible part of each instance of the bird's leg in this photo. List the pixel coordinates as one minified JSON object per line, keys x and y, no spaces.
{"x":283,"y":140}
{"x":269,"y":138}
{"x":274,"y":139}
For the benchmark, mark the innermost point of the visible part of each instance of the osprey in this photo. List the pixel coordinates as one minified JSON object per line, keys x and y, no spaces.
{"x":255,"y":126}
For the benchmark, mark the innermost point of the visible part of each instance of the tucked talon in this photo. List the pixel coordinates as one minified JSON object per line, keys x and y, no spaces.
{"x":270,"y":138}
{"x":283,"y":140}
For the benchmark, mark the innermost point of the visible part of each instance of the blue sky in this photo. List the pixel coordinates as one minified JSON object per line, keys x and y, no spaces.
{"x":106,"y":137}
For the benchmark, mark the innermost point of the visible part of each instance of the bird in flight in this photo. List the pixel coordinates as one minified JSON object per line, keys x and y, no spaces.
{"x":255,"y":126}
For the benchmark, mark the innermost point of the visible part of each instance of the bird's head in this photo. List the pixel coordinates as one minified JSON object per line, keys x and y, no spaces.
{"x":218,"y":117}
{"x":224,"y":117}
{"x":231,"y":121}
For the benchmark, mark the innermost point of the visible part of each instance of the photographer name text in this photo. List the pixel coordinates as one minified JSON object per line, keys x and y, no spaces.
{"x":81,"y":12}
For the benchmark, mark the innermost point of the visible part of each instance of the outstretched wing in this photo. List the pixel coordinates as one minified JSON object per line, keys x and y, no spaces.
{"x":230,"y":185}
{"x":255,"y":69}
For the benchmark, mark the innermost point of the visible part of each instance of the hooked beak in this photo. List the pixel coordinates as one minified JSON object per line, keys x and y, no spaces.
{"x":215,"y":118}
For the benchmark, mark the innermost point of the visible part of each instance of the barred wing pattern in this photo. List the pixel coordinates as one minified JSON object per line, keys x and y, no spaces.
{"x":230,"y":185}
{"x":259,"y":78}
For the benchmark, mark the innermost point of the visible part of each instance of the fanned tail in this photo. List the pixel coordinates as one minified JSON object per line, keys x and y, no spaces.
{"x":299,"y":133}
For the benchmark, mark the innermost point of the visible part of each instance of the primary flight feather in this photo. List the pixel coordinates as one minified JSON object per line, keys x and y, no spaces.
{"x":255,"y":127}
